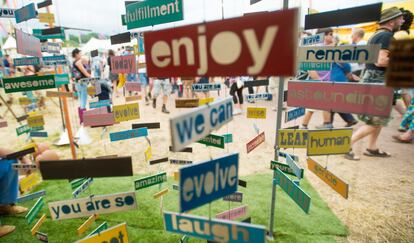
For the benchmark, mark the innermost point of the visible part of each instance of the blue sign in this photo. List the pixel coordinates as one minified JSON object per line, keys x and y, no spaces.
{"x":57,"y":59}
{"x":61,"y":79}
{"x":295,"y":167}
{"x":205,"y":182}
{"x":128,"y":134}
{"x":262,"y":96}
{"x":26,"y":61}
{"x":31,"y":196}
{"x":313,"y":39}
{"x":284,"y":154}
{"x":99,"y":104}
{"x":25,"y":13}
{"x":38,"y":134}
{"x":213,"y":229}
{"x":294,"y":113}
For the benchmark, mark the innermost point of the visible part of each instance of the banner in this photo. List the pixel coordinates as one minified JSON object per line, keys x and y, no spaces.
{"x":27,"y":44}
{"x":261,"y":44}
{"x":326,"y":142}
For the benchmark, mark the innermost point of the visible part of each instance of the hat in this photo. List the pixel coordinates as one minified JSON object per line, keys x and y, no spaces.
{"x":389,"y":14}
{"x":324,"y":30}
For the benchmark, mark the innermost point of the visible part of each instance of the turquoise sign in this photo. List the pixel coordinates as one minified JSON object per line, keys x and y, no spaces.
{"x":148,"y":13}
{"x":315,"y":66}
{"x":25,"y":13}
{"x":100,"y":103}
{"x":61,"y":79}
{"x":295,"y":167}
{"x":128,"y":134}
{"x":24,"y":61}
{"x":38,"y":34}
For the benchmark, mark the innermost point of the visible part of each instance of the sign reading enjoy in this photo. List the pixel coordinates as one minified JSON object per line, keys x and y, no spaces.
{"x":248,"y":45}
{"x":123,"y":64}
{"x":370,"y":99}
{"x":351,"y":53}
{"x":83,"y":207}
{"x":148,"y":13}
{"x":205,"y":182}
{"x":198,"y":123}
{"x":28,"y":83}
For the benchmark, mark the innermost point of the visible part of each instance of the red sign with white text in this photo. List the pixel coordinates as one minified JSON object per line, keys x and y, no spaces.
{"x":123,"y":64}
{"x":255,"y":142}
{"x":369,"y":99}
{"x":259,"y":45}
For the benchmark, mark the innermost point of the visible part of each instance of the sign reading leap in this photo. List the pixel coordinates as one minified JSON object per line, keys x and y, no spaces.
{"x":249,"y":45}
{"x":333,"y":141}
{"x":351,"y":53}
{"x":198,"y":123}
{"x":205,"y":182}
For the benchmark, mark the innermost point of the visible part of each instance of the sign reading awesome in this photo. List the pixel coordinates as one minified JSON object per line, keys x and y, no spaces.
{"x":370,"y":99}
{"x":352,"y":53}
{"x":28,"y":83}
{"x":248,"y":45}
{"x":198,"y":123}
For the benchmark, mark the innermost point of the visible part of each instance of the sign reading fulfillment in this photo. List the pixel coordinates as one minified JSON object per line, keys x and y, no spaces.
{"x":213,"y":229}
{"x":28,"y":44}
{"x":370,"y":99}
{"x":123,"y":64}
{"x":332,"y":141}
{"x":248,"y":45}
{"x":204,"y":182}
{"x":198,"y":123}
{"x":401,"y":65}
{"x":102,"y":204}
{"x":28,"y":83}
{"x":126,"y":112}
{"x":255,"y":142}
{"x":150,"y":181}
{"x":326,"y":176}
{"x":148,"y":13}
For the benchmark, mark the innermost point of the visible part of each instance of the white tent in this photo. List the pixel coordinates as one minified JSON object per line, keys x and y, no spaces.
{"x":103,"y":45}
{"x":10,"y":43}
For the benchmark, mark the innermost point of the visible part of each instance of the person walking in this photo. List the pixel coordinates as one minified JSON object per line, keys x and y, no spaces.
{"x":161,"y":83}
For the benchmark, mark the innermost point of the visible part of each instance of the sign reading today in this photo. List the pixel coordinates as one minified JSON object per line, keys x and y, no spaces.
{"x":28,"y":83}
{"x":213,"y":229}
{"x":205,"y":182}
{"x":351,"y":53}
{"x":148,"y":13}
{"x":87,"y":206}
{"x":123,"y":64}
{"x":249,"y":45}
{"x":369,"y":99}
{"x":400,"y":69}
{"x":332,"y":141}
{"x":198,"y":123}
{"x":117,"y":233}
{"x":28,"y":44}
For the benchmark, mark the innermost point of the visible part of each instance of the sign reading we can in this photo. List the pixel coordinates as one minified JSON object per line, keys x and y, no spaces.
{"x":333,"y":141}
{"x":248,"y":45}
{"x":148,"y":13}
{"x":28,"y":44}
{"x":256,"y":112}
{"x":123,"y":64}
{"x":370,"y":99}
{"x":28,"y":83}
{"x":126,"y":112}
{"x":351,"y":53}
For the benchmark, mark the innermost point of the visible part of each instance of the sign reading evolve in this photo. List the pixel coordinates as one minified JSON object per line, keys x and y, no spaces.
{"x":28,"y":83}
{"x":28,"y":44}
{"x":148,"y":13}
{"x":126,"y":112}
{"x":350,"y":53}
{"x":205,"y":182}
{"x":370,"y":99}
{"x":248,"y":45}
{"x":332,"y":141}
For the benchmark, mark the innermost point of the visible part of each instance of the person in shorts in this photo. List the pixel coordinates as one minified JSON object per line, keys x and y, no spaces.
{"x":164,"y":85}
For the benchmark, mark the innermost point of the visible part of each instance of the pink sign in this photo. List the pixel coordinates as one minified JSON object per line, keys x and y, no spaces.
{"x":233,"y":213}
{"x":3,"y":124}
{"x":370,"y":99}
{"x":133,"y":86}
{"x":123,"y":64}
{"x":28,"y":44}
{"x":255,"y":142}
{"x":106,"y":119}
{"x":100,"y":110}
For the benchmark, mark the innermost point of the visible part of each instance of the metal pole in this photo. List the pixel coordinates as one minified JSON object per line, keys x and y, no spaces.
{"x":278,"y":126}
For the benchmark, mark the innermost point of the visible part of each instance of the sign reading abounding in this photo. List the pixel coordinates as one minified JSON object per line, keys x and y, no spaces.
{"x":293,"y":138}
{"x":28,"y":83}
{"x":369,"y":99}
{"x":150,"y":181}
{"x":248,"y":45}
{"x":255,"y":142}
{"x":117,"y":233}
{"x":233,"y":214}
{"x":401,"y":65}
{"x":123,"y":64}
{"x":101,"y":204}
{"x":332,"y":141}
{"x":256,"y":112}
{"x":213,"y":140}
{"x":349,"y":53}
{"x":326,"y":176}
{"x":207,"y":181}
{"x":27,"y":44}
{"x":128,"y":134}
{"x":149,"y":13}
{"x":198,"y":123}
{"x":126,"y":112}
{"x":294,"y":191}
{"x":213,"y":229}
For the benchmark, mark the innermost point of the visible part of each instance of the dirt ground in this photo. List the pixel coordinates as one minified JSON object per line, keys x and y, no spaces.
{"x":381,"y":192}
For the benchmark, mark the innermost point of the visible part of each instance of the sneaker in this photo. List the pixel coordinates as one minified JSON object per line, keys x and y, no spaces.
{"x":6,"y":229}
{"x":351,"y":123}
{"x":325,"y":126}
{"x":12,"y":209}
{"x":237,"y":112}
{"x":146,"y":101}
{"x":164,"y":110}
{"x":149,"y":95}
{"x":352,"y":156}
{"x":154,"y":103}
{"x":304,"y":127}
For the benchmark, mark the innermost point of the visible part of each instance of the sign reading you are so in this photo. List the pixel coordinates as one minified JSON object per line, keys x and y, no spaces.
{"x":249,"y":45}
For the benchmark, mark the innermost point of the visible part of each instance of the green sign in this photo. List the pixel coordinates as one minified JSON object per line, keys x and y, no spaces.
{"x":315,"y":66}
{"x":35,"y":129}
{"x":123,"y":20}
{"x":150,"y":180}
{"x":77,"y":182}
{"x":28,"y":83}
{"x":283,"y":167}
{"x":213,"y":140}
{"x":148,"y":13}
{"x":228,"y":138}
{"x":31,"y":215}
{"x":61,"y":79}
{"x":100,"y":228}
{"x":38,"y":33}
{"x":294,"y":191}
{"x":22,"y":129}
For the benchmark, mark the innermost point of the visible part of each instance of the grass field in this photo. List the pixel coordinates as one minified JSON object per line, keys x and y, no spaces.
{"x":145,"y":224}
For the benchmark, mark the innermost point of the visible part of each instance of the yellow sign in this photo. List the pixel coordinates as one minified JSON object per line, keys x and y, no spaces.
{"x":115,"y":234}
{"x":30,"y":145}
{"x":293,"y":138}
{"x":126,"y":112}
{"x":38,"y":224}
{"x":206,"y":101}
{"x":176,"y":175}
{"x":35,"y":121}
{"x":148,"y":153}
{"x":30,"y":181}
{"x":48,"y":18}
{"x":161,"y":193}
{"x":136,"y":53}
{"x":91,"y":90}
{"x":122,"y":80}
{"x":332,"y":180}
{"x":324,"y":142}
{"x":24,"y":101}
{"x":256,"y":112}
{"x":87,"y":224}
{"x":133,"y":98}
